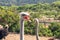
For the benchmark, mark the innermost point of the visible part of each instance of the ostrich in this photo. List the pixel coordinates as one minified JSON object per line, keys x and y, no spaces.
{"x":24,"y":16}
{"x":3,"y":32}
{"x":37,"y":25}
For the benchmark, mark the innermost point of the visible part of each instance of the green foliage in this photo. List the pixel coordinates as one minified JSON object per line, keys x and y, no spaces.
{"x":30,"y":27}
{"x":55,"y":29}
{"x":45,"y":32}
{"x":10,"y":18}
{"x":56,"y":4}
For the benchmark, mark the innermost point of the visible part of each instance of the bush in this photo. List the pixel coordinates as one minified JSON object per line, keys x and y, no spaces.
{"x":29,"y":27}
{"x":55,"y":29}
{"x":10,"y":18}
{"x":57,"y":34}
{"x":45,"y":32}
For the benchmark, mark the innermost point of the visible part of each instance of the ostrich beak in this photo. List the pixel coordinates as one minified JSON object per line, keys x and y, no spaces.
{"x":26,"y":17}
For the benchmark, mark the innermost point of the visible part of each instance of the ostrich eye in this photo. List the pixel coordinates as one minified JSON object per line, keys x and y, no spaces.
{"x":23,"y":15}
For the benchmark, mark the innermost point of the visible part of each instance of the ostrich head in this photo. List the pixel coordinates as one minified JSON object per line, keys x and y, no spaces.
{"x":6,"y":27}
{"x":25,"y":16}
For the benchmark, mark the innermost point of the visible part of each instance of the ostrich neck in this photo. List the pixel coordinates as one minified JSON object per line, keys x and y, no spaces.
{"x":21,"y":29}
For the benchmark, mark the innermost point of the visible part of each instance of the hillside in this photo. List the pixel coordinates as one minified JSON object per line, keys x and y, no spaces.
{"x":22,"y":2}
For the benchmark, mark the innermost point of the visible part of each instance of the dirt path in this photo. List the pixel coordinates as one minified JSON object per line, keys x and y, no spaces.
{"x":27,"y":37}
